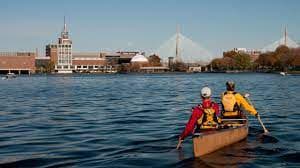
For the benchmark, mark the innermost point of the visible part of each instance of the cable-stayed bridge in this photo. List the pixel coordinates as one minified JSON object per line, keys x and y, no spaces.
{"x":285,"y":40}
{"x":183,"y":49}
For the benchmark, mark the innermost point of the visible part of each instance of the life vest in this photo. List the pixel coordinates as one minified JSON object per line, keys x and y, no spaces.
{"x":208,"y":120}
{"x":230,"y":105}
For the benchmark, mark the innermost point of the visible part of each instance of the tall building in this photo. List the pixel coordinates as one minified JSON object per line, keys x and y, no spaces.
{"x":66,"y":61}
{"x":61,"y":53}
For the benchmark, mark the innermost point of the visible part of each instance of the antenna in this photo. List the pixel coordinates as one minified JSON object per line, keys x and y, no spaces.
{"x":65,"y":25}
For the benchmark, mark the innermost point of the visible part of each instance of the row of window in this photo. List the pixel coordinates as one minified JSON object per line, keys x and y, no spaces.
{"x":64,"y":46}
{"x":65,"y":67}
{"x":60,"y":46}
{"x":69,"y":53}
{"x":83,"y":67}
{"x":64,"y":62}
{"x":89,"y":67}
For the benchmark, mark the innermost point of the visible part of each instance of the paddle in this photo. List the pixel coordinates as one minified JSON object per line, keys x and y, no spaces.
{"x":258,"y":116}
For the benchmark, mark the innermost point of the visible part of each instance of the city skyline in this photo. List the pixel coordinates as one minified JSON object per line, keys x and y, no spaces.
{"x":133,"y":25}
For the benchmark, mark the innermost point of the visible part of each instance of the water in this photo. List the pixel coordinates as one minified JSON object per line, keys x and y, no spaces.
{"x":135,"y":120}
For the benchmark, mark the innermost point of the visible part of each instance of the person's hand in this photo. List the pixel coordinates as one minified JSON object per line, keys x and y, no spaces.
{"x":219,"y":120}
{"x":179,"y":143}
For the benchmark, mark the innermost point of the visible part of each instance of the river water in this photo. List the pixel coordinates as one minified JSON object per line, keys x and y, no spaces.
{"x":124,"y":120}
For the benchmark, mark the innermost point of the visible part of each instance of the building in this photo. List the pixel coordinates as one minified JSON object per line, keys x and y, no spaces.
{"x":51,"y":52}
{"x":17,"y":62}
{"x":90,"y":62}
{"x":61,"y":53}
{"x":139,"y":59}
{"x":119,"y":57}
{"x":66,"y":61}
{"x":195,"y":69}
{"x":254,"y":54}
{"x":157,"y":69}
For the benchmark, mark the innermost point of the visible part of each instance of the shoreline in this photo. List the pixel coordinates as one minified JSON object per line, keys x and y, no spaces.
{"x":174,"y":73}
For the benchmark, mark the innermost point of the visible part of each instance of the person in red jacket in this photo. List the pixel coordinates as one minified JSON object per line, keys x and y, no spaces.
{"x":204,"y":116}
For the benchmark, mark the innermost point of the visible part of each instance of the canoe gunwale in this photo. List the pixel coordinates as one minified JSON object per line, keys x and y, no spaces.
{"x":217,"y":131}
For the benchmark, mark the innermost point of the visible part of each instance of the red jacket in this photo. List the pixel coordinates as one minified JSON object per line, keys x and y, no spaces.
{"x":196,"y":114}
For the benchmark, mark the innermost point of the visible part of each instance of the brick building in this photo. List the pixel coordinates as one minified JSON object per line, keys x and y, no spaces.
{"x":17,"y":62}
{"x":89,"y":62}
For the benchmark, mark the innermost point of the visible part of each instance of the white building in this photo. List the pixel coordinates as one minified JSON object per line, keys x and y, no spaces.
{"x":64,"y":53}
{"x":139,"y":59}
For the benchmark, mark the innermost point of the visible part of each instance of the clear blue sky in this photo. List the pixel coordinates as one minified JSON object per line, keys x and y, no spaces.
{"x":97,"y":25}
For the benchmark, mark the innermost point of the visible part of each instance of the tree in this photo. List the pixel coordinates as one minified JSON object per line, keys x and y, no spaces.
{"x":230,"y":54}
{"x":180,"y":66}
{"x":124,"y":68}
{"x":50,"y":67}
{"x":282,"y":58}
{"x":294,"y":59}
{"x":242,"y":61}
{"x":154,"y":60}
{"x":216,"y":63}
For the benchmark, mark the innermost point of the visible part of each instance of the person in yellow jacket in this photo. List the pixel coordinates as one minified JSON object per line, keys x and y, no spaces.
{"x":233,"y":101}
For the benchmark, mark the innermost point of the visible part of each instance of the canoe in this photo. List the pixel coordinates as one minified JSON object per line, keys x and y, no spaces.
{"x":205,"y":142}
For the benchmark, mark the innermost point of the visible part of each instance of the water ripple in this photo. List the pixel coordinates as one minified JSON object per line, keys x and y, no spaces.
{"x":134,"y":121}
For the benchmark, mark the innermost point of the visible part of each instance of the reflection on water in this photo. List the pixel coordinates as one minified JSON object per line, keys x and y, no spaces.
{"x":233,"y":156}
{"x":135,"y":120}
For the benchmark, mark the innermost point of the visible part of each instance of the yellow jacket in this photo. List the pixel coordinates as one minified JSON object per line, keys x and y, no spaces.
{"x":241,"y":101}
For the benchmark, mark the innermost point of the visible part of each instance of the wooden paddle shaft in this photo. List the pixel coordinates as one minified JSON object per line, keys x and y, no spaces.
{"x":262,"y":124}
{"x":258,"y":117}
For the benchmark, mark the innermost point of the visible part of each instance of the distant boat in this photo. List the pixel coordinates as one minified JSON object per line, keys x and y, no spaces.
{"x":283,"y":73}
{"x":9,"y":76}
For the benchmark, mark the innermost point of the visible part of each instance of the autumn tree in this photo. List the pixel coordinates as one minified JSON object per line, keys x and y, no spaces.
{"x":242,"y":61}
{"x":281,"y":59}
{"x":232,"y":61}
{"x":154,"y":60}
{"x":230,"y":54}
{"x":50,"y":67}
{"x":180,"y":67}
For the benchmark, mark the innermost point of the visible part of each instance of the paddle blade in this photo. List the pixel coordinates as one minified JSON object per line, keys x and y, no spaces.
{"x":267,"y":138}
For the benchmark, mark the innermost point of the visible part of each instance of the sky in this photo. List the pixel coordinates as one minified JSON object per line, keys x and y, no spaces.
{"x":144,"y":25}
